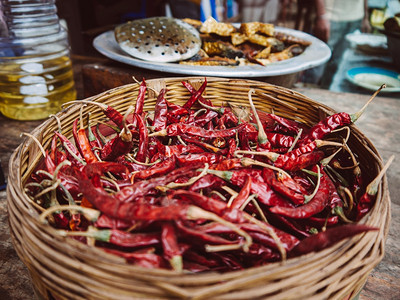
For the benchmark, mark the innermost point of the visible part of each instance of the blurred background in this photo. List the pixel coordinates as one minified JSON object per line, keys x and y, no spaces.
{"x":332,"y":21}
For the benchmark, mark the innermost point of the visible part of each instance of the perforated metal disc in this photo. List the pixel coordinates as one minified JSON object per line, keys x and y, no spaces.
{"x":160,"y":39}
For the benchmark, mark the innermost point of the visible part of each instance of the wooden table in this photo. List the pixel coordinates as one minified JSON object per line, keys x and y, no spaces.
{"x":380,"y":124}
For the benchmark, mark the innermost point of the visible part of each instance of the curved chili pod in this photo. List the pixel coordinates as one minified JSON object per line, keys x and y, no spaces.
{"x":325,"y":239}
{"x":317,"y":204}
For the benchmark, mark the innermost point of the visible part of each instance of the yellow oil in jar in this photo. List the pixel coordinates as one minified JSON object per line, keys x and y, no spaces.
{"x":34,"y":88}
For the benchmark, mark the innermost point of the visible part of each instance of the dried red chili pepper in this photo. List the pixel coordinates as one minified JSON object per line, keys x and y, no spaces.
{"x":202,"y":236}
{"x":325,"y":239}
{"x":143,"y":259}
{"x":317,"y":204}
{"x":293,"y":163}
{"x":114,"y":115}
{"x":140,"y":98}
{"x":195,"y":96}
{"x":72,"y":153}
{"x":205,"y":118}
{"x":161,"y":168}
{"x":94,"y":140}
{"x":279,"y":140}
{"x":101,"y":167}
{"x":232,"y":148}
{"x":181,"y":149}
{"x":201,"y":143}
{"x":228,"y":119}
{"x":105,"y":221}
{"x":244,"y":193}
{"x":264,"y":192}
{"x":201,"y":259}
{"x":206,"y":182}
{"x":330,"y":123}
{"x":143,"y":139}
{"x":171,"y":250}
{"x":160,"y":112}
{"x":367,"y":200}
{"x":175,"y":111}
{"x":119,"y":145}
{"x":216,"y":206}
{"x":287,"y":125}
{"x":83,"y":143}
{"x":205,"y":157}
{"x":70,"y":183}
{"x":295,"y":196}
{"x":261,"y":137}
{"x":228,"y":164}
{"x":192,"y":90}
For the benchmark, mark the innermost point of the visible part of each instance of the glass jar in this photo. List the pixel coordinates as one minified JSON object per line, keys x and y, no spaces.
{"x":36,"y":74}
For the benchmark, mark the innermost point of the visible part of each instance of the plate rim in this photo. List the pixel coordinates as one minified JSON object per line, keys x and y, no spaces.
{"x":106,"y":44}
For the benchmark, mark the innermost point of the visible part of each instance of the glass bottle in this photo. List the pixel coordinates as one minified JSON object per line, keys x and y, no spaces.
{"x":36,"y":74}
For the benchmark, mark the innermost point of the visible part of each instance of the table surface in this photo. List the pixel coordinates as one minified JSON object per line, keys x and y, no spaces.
{"x":380,"y":124}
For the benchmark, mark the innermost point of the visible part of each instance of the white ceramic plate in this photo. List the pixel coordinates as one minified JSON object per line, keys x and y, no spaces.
{"x":372,"y":78}
{"x":371,"y":43}
{"x":314,"y":55}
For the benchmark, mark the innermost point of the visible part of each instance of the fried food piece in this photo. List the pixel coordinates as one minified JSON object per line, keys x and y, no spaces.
{"x":290,"y":39}
{"x":221,"y":49}
{"x":261,"y":40}
{"x":211,"y":61}
{"x":278,"y":56}
{"x":264,"y":53}
{"x":195,"y":23}
{"x":238,"y":38}
{"x":252,"y":28}
{"x":199,"y":55}
{"x":212,"y":26}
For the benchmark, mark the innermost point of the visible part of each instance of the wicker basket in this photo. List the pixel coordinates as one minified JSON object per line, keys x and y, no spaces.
{"x":66,"y":269}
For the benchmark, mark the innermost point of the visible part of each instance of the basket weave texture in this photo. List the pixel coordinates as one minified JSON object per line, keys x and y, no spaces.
{"x":63,"y":268}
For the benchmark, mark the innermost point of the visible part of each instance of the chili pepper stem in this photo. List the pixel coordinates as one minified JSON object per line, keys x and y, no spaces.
{"x":271,"y":232}
{"x":89,"y":213}
{"x":324,"y":162}
{"x":262,"y":136}
{"x":272,"y":156}
{"x":249,"y":162}
{"x":338,"y":210}
{"x":73,"y":154}
{"x":196,"y":213}
{"x":322,"y":143}
{"x":250,"y":198}
{"x":296,"y":140}
{"x":337,"y":176}
{"x":173,"y":185}
{"x":372,"y":188}
{"x":48,"y":189}
{"x":226,"y":175}
{"x":307,"y":198}
{"x":162,"y":132}
{"x":103,"y":235}
{"x":219,"y":248}
{"x":176,"y":263}
{"x":219,"y":110}
{"x":37,"y":142}
{"x":57,"y":120}
{"x":354,"y":117}
{"x":350,"y":203}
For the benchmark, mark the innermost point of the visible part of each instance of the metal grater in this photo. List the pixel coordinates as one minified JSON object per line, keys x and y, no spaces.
{"x":158,"y":39}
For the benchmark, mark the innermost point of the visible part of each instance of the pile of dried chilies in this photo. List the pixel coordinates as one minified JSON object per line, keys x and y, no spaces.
{"x":206,"y":189}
